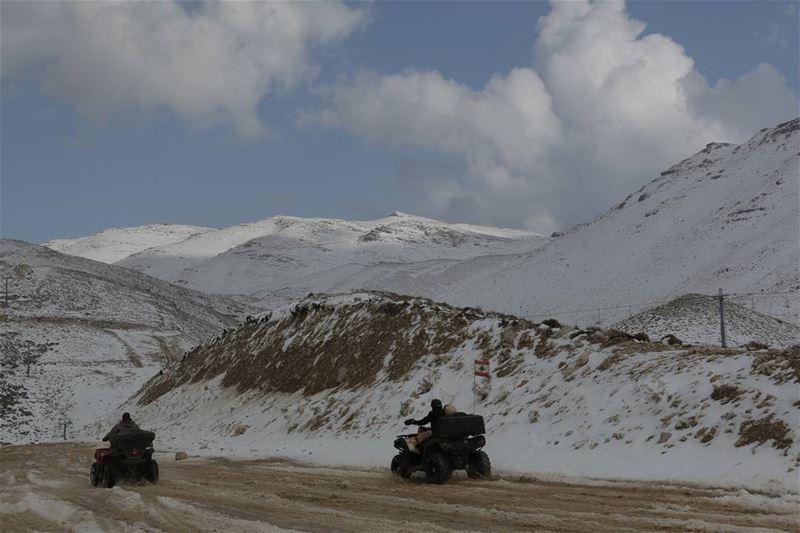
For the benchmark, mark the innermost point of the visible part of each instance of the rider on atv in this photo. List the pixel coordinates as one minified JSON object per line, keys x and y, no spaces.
{"x":436,"y":412}
{"x":453,"y":442}
{"x":124,"y":425}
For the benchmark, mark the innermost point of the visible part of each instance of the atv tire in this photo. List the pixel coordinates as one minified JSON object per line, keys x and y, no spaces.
{"x":437,"y":468}
{"x":400,"y":466}
{"x":94,"y":479}
{"x":107,"y":479}
{"x":151,"y":471}
{"x":479,"y":466}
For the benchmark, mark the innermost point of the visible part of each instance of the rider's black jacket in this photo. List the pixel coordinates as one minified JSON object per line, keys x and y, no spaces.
{"x":433,"y":416}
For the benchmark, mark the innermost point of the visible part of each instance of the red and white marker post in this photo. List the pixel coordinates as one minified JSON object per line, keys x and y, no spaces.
{"x":482,"y":370}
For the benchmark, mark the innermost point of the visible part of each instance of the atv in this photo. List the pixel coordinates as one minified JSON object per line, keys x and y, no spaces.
{"x":454,"y":444}
{"x":130,"y":457}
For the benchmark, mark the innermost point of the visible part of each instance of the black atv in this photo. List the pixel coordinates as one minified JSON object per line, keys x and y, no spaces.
{"x":455,"y":444}
{"x":130,"y":457}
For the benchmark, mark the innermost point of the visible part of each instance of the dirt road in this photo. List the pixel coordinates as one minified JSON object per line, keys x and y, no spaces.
{"x":46,"y":488}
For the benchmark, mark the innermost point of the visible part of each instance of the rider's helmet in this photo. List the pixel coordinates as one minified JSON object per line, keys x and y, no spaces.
{"x":436,"y":404}
{"x":126,"y":417}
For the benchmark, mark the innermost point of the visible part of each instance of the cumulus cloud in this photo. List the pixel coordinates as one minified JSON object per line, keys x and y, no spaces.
{"x":757,"y":99}
{"x":602,"y":109}
{"x":210,"y":65}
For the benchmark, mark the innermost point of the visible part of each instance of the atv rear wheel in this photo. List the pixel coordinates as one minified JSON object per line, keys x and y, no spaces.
{"x":94,"y":479}
{"x":479,"y":466}
{"x":437,"y":468}
{"x":400,"y":466}
{"x":107,"y":479}
{"x":151,"y":471}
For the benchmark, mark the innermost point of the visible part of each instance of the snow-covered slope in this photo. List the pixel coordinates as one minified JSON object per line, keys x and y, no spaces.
{"x":113,"y":244}
{"x":695,"y":319}
{"x":284,"y":258}
{"x":331,"y":379}
{"x":93,"y":334}
{"x":726,"y":217}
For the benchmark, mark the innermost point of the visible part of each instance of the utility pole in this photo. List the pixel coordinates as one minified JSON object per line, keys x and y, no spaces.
{"x":722,"y":319}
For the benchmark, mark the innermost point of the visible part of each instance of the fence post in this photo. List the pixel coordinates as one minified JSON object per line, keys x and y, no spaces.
{"x":722,"y":319}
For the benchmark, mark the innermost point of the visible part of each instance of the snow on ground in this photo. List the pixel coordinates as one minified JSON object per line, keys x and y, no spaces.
{"x":113,"y":244}
{"x":331,"y":379}
{"x":219,"y":494}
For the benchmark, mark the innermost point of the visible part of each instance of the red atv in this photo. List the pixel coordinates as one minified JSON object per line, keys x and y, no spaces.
{"x":130,"y":457}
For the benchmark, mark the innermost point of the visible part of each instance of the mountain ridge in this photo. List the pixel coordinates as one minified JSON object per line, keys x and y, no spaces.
{"x":723,"y":217}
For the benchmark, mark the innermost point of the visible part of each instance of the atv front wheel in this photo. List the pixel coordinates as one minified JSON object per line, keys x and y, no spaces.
{"x":479,"y":466}
{"x":94,"y":479}
{"x":151,"y":471}
{"x":400,"y":466}
{"x":437,"y":468}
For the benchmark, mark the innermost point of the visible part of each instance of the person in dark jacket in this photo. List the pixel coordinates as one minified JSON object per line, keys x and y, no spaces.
{"x":126,"y":424}
{"x":436,"y":412}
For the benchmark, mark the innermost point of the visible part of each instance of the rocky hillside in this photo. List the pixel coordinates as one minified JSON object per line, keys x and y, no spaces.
{"x":79,"y":336}
{"x":695,"y":318}
{"x":331,"y":378}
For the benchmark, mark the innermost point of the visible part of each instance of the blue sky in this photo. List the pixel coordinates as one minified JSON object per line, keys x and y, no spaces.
{"x":70,"y":167}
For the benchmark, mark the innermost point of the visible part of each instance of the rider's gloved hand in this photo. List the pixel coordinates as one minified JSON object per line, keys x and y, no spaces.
{"x":105,"y":439}
{"x":409,"y":421}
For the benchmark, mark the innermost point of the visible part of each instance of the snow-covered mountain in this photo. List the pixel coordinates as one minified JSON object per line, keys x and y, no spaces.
{"x":92,"y":333}
{"x":726,"y":217}
{"x":285,"y":258}
{"x":113,"y":244}
{"x":331,"y":379}
{"x":695,"y":317}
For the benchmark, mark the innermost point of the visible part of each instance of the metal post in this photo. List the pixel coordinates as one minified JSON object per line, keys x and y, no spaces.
{"x":722,"y":319}
{"x":65,"y":430}
{"x":474,"y":392}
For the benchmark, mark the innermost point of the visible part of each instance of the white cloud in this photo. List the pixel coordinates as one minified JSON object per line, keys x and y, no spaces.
{"x":211,"y":65}
{"x":757,"y":99}
{"x":603,"y":110}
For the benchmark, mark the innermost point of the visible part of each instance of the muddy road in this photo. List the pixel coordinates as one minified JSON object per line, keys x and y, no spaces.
{"x":46,"y":488}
